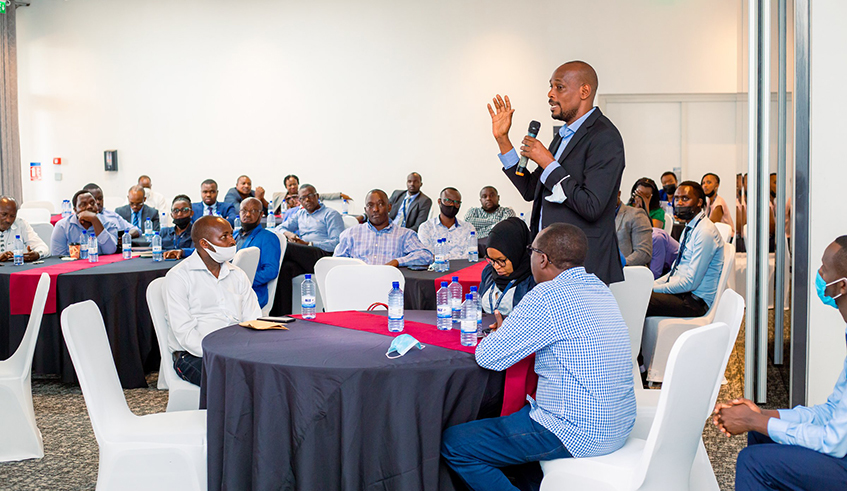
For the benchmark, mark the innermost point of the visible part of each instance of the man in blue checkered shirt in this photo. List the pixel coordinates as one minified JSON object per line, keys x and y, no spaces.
{"x":585,"y":402}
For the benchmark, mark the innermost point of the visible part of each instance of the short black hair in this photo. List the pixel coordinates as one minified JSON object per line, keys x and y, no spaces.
{"x":91,"y":187}
{"x":449,"y":188}
{"x":840,"y":258}
{"x":698,"y":189}
{"x":242,"y":175}
{"x":289,"y":176}
{"x":76,"y":195}
{"x":377,"y":190}
{"x":307,"y":185}
{"x":654,"y":191}
{"x":209,"y":181}
{"x":717,"y":177}
{"x":669,"y":173}
{"x":180,"y":197}
{"x":489,"y":187}
{"x":564,"y":244}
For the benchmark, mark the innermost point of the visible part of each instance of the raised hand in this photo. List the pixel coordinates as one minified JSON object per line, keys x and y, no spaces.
{"x":501,"y":121}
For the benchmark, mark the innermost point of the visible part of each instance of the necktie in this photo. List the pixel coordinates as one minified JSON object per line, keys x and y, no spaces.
{"x":405,"y":207}
{"x":208,"y":210}
{"x":681,"y":250}
{"x":135,"y":221}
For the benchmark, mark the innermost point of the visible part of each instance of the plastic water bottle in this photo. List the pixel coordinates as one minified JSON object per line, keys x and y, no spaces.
{"x":163,"y":219}
{"x":157,"y":247}
{"x":83,"y":246}
{"x":344,"y":207}
{"x":18,"y":251}
{"x":455,"y":289}
{"x":469,"y":321}
{"x":307,"y":298}
{"x":436,"y":264}
{"x":67,"y":210}
{"x":523,"y":219}
{"x":473,"y":248}
{"x":148,"y":228}
{"x":126,"y":245}
{"x":270,"y":222}
{"x":237,"y":224}
{"x":476,"y":299}
{"x":395,"y":308}
{"x":93,"y":250}
{"x":445,"y":316}
{"x":445,"y":253}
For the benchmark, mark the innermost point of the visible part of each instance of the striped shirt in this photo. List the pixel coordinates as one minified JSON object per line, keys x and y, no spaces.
{"x":381,"y":246}
{"x":583,"y":360}
{"x":483,"y":221}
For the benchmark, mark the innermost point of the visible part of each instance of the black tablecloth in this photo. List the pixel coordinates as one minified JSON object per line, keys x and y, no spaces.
{"x":419,"y":292}
{"x":320,"y":407}
{"x":120,"y":290}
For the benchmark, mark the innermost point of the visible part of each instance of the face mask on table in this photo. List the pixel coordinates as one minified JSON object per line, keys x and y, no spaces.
{"x":402,"y":344}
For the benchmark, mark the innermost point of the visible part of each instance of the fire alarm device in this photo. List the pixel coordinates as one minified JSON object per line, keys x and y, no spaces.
{"x":57,"y":161}
{"x":111,"y":160}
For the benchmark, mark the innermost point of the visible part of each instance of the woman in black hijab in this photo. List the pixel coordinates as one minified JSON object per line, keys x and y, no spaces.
{"x":508,"y":275}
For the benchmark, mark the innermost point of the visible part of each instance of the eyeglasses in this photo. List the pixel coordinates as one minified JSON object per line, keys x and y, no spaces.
{"x":497,"y":262}
{"x":309,"y":196}
{"x":533,"y":249}
{"x":181,"y":210}
{"x":250,"y":212}
{"x":451,"y":202}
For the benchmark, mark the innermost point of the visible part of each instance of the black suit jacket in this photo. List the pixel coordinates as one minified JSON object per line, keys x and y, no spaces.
{"x":146,"y":212}
{"x":418,"y":211}
{"x":593,"y":163}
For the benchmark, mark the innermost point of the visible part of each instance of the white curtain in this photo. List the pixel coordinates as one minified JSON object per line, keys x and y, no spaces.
{"x":10,"y":142}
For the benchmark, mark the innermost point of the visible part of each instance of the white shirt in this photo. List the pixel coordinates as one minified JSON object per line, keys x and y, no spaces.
{"x":199,"y":304}
{"x":28,"y":235}
{"x":158,"y":201}
{"x":458,"y":236}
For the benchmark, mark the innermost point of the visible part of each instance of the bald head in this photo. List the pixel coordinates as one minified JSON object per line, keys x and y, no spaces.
{"x":572,"y":90}
{"x":135,"y":197}
{"x":209,"y":228}
{"x":581,"y":73}
{"x":8,"y":212}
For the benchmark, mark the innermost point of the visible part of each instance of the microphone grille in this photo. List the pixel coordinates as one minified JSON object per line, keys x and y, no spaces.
{"x":534,"y":127}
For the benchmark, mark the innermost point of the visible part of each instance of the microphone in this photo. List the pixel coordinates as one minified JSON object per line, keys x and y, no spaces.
{"x":534,"y":127}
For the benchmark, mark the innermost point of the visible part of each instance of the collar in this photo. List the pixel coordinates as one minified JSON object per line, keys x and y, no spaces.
{"x":321,"y":207}
{"x":575,"y":273}
{"x":412,"y":196}
{"x":437,"y":220}
{"x":696,"y":220}
{"x":386,"y":230}
{"x":213,"y":205}
{"x":252,"y":232}
{"x":573,"y":127}
{"x":15,"y":226}
{"x":195,"y":263}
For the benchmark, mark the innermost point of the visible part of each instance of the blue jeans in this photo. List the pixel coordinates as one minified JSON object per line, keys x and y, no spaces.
{"x":188,"y":367}
{"x":478,"y":450}
{"x":765,"y":464}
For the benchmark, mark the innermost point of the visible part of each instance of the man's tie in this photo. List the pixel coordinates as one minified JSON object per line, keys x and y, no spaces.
{"x":681,"y":250}
{"x":208,"y":210}
{"x":135,"y":221}
{"x":405,"y":206}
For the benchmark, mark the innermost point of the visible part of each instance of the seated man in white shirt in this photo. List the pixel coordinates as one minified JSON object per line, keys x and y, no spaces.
{"x":446,"y":225}
{"x":206,"y":293}
{"x":11,"y":226}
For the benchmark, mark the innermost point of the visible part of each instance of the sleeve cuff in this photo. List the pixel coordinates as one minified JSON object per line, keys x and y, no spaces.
{"x":509,"y":159}
{"x":778,"y":429}
{"x":789,"y":416}
{"x":549,"y":170}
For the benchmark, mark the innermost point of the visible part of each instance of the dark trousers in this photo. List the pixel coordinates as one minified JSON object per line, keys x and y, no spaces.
{"x":676,"y":305}
{"x":765,"y":464}
{"x":299,"y":259}
{"x":188,"y":366}
{"x":478,"y":450}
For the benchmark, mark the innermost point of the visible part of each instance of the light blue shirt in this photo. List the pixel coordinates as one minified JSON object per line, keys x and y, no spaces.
{"x":822,"y":428}
{"x":68,"y":230}
{"x":374,"y":246}
{"x":699,"y":269}
{"x":585,"y":392}
{"x":118,"y":221}
{"x":322,"y":228}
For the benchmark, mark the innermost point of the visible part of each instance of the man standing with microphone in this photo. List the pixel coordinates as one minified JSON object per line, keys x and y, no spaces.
{"x":578,"y":177}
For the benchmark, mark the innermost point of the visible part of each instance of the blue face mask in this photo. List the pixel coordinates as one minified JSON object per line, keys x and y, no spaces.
{"x":402,"y":344}
{"x":821,"y":285}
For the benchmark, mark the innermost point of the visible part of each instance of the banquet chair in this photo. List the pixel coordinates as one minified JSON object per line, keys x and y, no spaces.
{"x":660,"y":333}
{"x":283,"y":245}
{"x":21,"y":438}
{"x":44,"y":231}
{"x":357,"y":287}
{"x":725,"y":231}
{"x":182,"y":395}
{"x":47,"y":205}
{"x":349,"y":221}
{"x":156,"y":451}
{"x":668,"y":228}
{"x":34,"y":215}
{"x":325,"y":264}
{"x":665,"y":458}
{"x":247,"y":260}
{"x":633,"y":295}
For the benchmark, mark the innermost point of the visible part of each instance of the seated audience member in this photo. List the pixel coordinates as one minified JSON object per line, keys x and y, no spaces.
{"x":645,"y":195}
{"x":381,"y":241}
{"x":689,"y":289}
{"x":508,"y":276}
{"x":244,"y":189}
{"x":716,"y":208}
{"x":137,"y":212}
{"x":205,"y":293}
{"x":571,"y":321}
{"x":176,"y":240}
{"x":292,"y":201}
{"x":802,"y":448}
{"x":109,"y":215}
{"x":312,"y":233}
{"x":210,"y":206}
{"x":12,"y":226}
{"x":665,"y":250}
{"x":410,"y":208}
{"x":292,"y":186}
{"x":84,"y":221}
{"x":489,"y":213}
{"x":154,"y":199}
{"x":669,"y":182}
{"x":446,"y":225}
{"x":633,"y":228}
{"x":252,"y":234}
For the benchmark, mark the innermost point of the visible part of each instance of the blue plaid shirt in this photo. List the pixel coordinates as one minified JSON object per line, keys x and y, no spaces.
{"x":585,"y":390}
{"x":380,"y":246}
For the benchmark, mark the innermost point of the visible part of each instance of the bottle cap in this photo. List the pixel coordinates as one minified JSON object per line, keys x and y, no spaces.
{"x":443,"y":284}
{"x":126,"y":231}
{"x":456,"y":279}
{"x":17,"y":237}
{"x":92,"y":234}
{"x":155,"y":233}
{"x":473,"y":233}
{"x":395,"y":284}
{"x":473,"y":288}
{"x":468,"y":296}
{"x":308,"y":277}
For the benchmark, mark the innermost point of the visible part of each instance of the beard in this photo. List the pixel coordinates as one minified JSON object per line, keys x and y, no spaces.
{"x":566,"y":115}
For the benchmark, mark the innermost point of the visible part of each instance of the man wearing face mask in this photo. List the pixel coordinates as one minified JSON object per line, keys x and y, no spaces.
{"x":669,"y":182}
{"x":252,"y":234}
{"x":805,"y":447}
{"x":689,"y":289}
{"x":205,"y":293}
{"x":176,"y":240}
{"x":716,"y":208}
{"x":446,"y":225}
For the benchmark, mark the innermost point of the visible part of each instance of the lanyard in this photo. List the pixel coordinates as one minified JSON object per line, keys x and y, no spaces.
{"x":500,"y":298}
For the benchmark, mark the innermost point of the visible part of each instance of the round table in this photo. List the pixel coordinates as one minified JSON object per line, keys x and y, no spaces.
{"x":321,"y":407}
{"x":119,"y":289}
{"x":419,"y":292}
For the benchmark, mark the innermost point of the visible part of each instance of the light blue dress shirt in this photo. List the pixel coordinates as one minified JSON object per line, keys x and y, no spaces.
{"x":374,"y":246}
{"x":585,"y":394}
{"x":68,"y":230}
{"x":118,"y":221}
{"x":322,"y":228}
{"x":699,"y":268}
{"x":822,"y":428}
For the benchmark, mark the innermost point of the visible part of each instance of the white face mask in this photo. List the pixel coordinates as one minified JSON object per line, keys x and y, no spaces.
{"x":221,"y":254}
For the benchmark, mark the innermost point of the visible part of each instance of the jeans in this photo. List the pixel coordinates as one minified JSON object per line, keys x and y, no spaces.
{"x":478,"y":450}
{"x":765,"y":464}
{"x":188,"y":366}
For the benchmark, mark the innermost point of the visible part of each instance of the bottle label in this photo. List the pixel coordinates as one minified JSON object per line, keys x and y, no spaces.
{"x":395,"y":313}
{"x":456,"y":303}
{"x":444,"y":311}
{"x":439,"y":258}
{"x":157,"y":248}
{"x":468,"y":326}
{"x":308,"y":301}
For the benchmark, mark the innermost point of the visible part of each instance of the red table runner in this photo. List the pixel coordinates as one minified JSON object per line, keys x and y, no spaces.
{"x":468,"y":277}
{"x":22,"y":285}
{"x":54,"y":219}
{"x":520,"y":377}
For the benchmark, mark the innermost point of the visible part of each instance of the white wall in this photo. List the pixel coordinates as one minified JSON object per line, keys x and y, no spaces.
{"x":348,"y":95}
{"x":826,"y":349}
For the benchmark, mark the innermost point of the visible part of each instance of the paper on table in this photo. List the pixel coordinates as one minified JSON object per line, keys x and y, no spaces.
{"x":262,"y":325}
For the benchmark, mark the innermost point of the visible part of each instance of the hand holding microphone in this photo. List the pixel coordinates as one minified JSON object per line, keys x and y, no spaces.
{"x":534,"y":128}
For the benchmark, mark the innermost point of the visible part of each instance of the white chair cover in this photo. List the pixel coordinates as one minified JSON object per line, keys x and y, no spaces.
{"x":283,"y":245}
{"x":47,"y":205}
{"x":247,"y":260}
{"x":34,"y":215}
{"x":357,"y":287}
